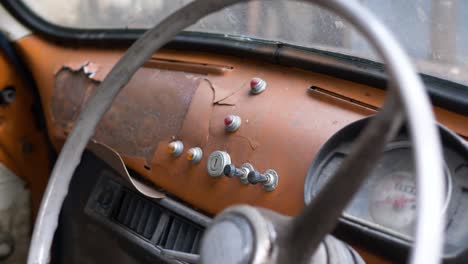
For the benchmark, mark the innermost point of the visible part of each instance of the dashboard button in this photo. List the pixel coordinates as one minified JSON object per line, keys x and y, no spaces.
{"x":257,"y":85}
{"x":232,"y":123}
{"x":194,"y":154}
{"x":216,"y":163}
{"x":175,"y":148}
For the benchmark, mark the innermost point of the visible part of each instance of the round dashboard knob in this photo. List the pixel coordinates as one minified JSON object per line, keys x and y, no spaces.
{"x":232,"y":123}
{"x":216,"y":163}
{"x":175,"y":148}
{"x":195,"y":154}
{"x":257,"y":85}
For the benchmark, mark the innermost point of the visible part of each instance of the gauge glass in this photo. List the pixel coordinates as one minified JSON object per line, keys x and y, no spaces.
{"x":387,"y":199}
{"x":392,"y":202}
{"x":392,"y":193}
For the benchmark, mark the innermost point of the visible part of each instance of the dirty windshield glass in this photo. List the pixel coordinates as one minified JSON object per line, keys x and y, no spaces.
{"x":433,"y":32}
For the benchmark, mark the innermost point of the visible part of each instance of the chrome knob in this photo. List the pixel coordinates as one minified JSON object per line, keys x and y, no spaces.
{"x":255,"y":177}
{"x":231,"y":170}
{"x":194,"y":155}
{"x":175,"y":148}
{"x":257,"y":85}
{"x":269,"y":179}
{"x":232,"y":123}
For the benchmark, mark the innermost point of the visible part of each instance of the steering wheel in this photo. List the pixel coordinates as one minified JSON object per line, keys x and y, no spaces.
{"x":297,"y":240}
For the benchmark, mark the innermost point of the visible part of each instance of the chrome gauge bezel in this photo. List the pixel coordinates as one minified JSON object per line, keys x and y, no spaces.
{"x":344,"y":150}
{"x":379,"y":238}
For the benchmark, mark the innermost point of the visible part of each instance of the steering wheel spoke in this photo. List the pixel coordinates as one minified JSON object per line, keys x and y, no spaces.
{"x":319,"y":218}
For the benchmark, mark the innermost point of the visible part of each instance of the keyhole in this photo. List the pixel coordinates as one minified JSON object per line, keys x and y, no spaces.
{"x":214,"y":164}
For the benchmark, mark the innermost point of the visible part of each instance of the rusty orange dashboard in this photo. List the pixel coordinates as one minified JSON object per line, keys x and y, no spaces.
{"x":186,"y":96}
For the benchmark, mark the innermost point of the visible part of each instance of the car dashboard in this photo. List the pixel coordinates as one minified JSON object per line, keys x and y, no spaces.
{"x":210,"y":131}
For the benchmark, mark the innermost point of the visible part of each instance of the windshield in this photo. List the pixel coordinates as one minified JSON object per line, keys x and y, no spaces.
{"x":433,"y":32}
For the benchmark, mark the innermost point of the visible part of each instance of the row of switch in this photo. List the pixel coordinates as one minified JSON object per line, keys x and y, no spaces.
{"x":176,"y":148}
{"x":219,"y":164}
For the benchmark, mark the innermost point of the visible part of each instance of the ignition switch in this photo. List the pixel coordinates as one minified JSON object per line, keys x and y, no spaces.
{"x":216,"y":163}
{"x":230,"y":170}
{"x":269,"y":179}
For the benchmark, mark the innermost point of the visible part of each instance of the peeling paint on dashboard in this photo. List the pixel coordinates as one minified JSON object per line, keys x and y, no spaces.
{"x":148,"y":110}
{"x":72,"y":88}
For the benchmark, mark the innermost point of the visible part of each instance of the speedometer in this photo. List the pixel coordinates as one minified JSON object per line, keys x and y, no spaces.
{"x":392,"y":190}
{"x":387,"y":200}
{"x":392,"y":202}
{"x":385,"y":207}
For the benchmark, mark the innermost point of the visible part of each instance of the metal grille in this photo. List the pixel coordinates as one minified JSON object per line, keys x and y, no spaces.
{"x":156,"y":223}
{"x":180,"y":235}
{"x":137,"y":214}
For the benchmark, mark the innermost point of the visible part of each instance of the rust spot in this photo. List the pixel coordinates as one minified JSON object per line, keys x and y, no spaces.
{"x":72,"y":87}
{"x":151,"y":108}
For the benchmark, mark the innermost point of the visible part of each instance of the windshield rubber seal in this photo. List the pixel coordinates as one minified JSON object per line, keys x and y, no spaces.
{"x":450,"y":95}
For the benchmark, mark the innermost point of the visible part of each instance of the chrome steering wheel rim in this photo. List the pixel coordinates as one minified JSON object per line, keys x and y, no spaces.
{"x":405,"y":82}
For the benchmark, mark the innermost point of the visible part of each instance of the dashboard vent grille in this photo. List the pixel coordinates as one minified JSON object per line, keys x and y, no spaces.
{"x":156,"y":223}
{"x":139,"y":215}
{"x":180,"y":235}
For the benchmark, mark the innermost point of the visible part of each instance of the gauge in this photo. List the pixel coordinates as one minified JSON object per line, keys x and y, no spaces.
{"x":384,"y":209}
{"x":392,"y":203}
{"x":387,"y":199}
{"x":392,"y":190}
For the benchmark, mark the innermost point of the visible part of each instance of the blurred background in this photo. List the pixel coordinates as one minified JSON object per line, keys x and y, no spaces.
{"x":433,"y":32}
